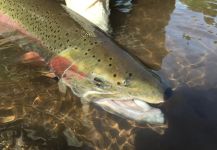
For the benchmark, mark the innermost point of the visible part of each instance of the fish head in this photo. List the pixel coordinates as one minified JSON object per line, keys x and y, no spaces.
{"x":118,"y":84}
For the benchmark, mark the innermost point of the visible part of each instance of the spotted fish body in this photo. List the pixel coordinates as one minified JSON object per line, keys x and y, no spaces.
{"x":84,"y":58}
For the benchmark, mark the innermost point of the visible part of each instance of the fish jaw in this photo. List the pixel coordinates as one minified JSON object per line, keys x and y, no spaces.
{"x":132,"y":109}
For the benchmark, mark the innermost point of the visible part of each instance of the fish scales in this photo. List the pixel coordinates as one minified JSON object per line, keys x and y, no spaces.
{"x":46,"y":24}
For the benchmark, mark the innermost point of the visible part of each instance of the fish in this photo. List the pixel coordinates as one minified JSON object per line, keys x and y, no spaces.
{"x":86,"y":60}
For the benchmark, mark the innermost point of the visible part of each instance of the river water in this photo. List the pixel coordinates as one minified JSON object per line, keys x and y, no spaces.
{"x":177,"y":39}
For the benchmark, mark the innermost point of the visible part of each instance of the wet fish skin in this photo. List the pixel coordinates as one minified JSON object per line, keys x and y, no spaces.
{"x":81,"y":55}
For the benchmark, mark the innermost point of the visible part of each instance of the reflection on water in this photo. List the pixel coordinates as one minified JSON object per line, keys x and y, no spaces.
{"x":142,"y":31}
{"x":207,"y":7}
{"x":178,"y":39}
{"x":192,"y":42}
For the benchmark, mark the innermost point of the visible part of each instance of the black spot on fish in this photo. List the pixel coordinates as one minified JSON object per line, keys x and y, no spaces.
{"x":114,"y":75}
{"x":98,"y":60}
{"x":110,"y":65}
{"x":118,"y":83}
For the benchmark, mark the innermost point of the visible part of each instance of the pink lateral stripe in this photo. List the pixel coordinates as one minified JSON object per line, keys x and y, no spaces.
{"x":59,"y":64}
{"x":8,"y":21}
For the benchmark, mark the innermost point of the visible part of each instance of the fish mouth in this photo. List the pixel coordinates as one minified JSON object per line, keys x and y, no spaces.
{"x":133,"y":109}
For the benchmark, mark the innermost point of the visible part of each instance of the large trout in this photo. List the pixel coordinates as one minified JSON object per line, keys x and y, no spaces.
{"x":86,"y":60}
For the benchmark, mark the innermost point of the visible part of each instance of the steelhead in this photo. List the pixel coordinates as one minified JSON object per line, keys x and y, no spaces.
{"x":85,"y":59}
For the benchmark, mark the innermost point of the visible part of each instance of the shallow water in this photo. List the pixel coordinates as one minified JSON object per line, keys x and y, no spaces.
{"x":177,"y":39}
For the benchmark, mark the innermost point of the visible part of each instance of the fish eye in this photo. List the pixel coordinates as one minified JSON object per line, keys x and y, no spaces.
{"x":99,"y":82}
